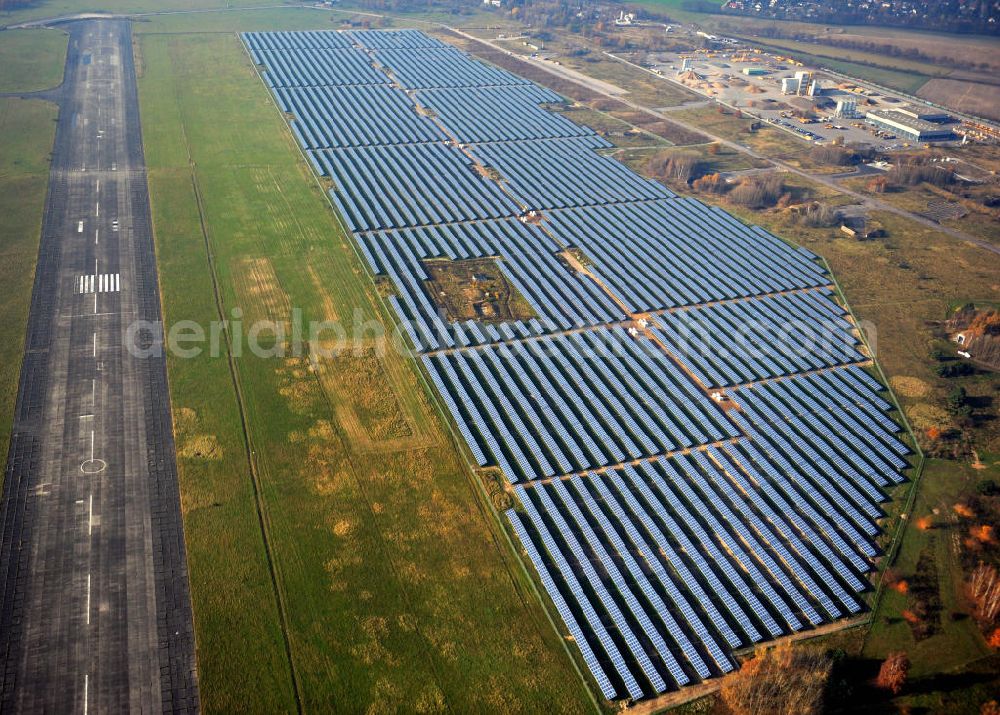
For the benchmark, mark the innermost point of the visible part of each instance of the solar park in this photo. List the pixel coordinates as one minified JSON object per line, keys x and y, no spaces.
{"x":697,"y":450}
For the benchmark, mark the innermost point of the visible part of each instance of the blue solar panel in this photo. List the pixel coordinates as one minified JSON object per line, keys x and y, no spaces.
{"x":684,"y":529}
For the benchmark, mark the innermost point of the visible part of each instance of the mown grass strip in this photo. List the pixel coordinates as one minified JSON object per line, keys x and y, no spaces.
{"x":27,"y":129}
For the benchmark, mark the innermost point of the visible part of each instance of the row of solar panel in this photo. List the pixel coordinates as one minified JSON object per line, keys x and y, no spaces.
{"x":409,"y":185}
{"x":559,"y":298}
{"x":362,"y":115}
{"x":547,"y":174}
{"x":442,"y":68}
{"x":378,"y":114}
{"x":759,"y":338}
{"x":329,"y":39}
{"x":664,"y":254}
{"x":317,"y":68}
{"x":499,"y":114}
{"x":422,"y":68}
{"x":570,"y":403}
{"x":687,"y":558}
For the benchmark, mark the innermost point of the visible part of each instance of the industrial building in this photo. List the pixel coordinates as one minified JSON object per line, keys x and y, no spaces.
{"x":907,"y":127}
{"x":925,"y":114}
{"x":846,"y":109}
{"x":755,"y":71}
{"x":801,"y":83}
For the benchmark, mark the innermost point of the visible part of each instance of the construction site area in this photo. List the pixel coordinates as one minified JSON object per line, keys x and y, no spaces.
{"x":817,"y":106}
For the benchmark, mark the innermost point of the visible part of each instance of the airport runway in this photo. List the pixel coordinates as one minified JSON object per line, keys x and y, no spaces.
{"x":95,"y":612}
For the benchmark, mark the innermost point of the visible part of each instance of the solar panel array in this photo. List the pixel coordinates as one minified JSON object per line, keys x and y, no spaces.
{"x":560,"y":300}
{"x":665,"y":254}
{"x":483,"y":114}
{"x":668,"y":528}
{"x":550,"y":174}
{"x":573,"y":402}
{"x":744,"y":341}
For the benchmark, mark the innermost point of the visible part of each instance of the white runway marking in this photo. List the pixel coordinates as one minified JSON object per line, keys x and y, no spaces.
{"x":97,"y":209}
{"x":95,"y":344}
{"x":97,"y":234}
{"x":86,"y":687}
{"x":99,"y":283}
{"x":90,"y":517}
{"x":88,"y":599}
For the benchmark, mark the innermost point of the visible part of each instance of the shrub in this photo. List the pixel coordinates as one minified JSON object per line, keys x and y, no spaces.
{"x":758,"y":192}
{"x":674,"y":166}
{"x":892,"y":674}
{"x":780,"y":681}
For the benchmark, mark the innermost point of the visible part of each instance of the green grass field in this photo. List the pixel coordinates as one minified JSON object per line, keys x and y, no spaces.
{"x":884,"y":71}
{"x":31,"y":59}
{"x":958,"y":642}
{"x":396,"y":584}
{"x":42,"y":9}
{"x":27,"y":128}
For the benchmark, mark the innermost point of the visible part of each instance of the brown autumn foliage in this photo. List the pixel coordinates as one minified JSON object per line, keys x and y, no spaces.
{"x":877,"y":185}
{"x":901,"y":586}
{"x":933,"y":433}
{"x":994,"y":640}
{"x":924,"y":523}
{"x":963,"y":510}
{"x":990,"y":707}
{"x":780,"y":681}
{"x":710,"y":183}
{"x":985,"y":323}
{"x":892,"y":674}
{"x":758,"y":192}
{"x":674,"y":166}
{"x":982,"y":533}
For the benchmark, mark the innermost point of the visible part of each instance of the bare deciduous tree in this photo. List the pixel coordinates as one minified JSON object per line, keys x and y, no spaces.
{"x":780,"y":681}
{"x":984,"y":585}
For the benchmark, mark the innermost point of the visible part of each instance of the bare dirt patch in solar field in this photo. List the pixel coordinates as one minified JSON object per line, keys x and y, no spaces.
{"x":475,"y":289}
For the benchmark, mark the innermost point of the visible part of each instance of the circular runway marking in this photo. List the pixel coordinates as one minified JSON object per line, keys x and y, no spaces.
{"x":93,"y":466}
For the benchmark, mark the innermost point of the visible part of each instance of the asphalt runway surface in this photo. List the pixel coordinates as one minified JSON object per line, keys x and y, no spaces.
{"x":95,"y":611}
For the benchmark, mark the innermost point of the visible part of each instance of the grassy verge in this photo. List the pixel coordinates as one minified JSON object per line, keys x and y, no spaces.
{"x":396,"y":582}
{"x":27,"y":129}
{"x":246,"y":19}
{"x":42,"y":9}
{"x":767,"y":140}
{"x":32,"y":59}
